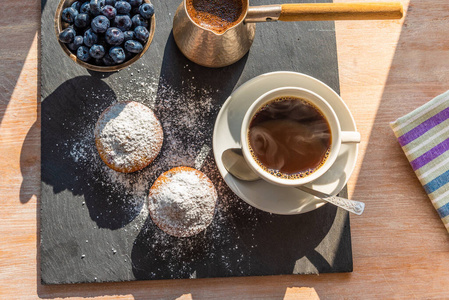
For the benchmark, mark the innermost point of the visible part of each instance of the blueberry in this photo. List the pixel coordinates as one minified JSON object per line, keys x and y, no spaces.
{"x":76,"y":5}
{"x":142,"y":34}
{"x":133,"y":46}
{"x":82,"y":20}
{"x":69,"y":14}
{"x":138,"y":20}
{"x":97,"y":51}
{"x":90,"y":38}
{"x":83,"y":53}
{"x":109,"y":12}
{"x":129,"y":35}
{"x":114,"y":36}
{"x":117,"y":54}
{"x":135,"y":2}
{"x":146,"y":10}
{"x":100,"y":24}
{"x":123,"y":7}
{"x":123,"y":22}
{"x":77,"y":42}
{"x":107,"y":60}
{"x":85,"y":8}
{"x":110,"y":2}
{"x":96,"y":6}
{"x":67,"y":35}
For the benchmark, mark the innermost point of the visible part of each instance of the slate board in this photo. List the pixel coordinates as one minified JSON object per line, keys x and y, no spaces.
{"x":94,"y":225}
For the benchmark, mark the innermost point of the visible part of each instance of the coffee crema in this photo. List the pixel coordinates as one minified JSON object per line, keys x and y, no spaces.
{"x":216,"y":15}
{"x":289,"y":137}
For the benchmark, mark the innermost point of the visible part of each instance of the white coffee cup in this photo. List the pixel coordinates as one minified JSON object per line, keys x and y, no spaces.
{"x":337,"y":135}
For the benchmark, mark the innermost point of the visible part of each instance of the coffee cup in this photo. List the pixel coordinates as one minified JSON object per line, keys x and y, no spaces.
{"x":291,"y":136}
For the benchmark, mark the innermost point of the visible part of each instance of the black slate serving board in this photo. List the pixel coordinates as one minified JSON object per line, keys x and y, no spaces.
{"x":94,"y":223}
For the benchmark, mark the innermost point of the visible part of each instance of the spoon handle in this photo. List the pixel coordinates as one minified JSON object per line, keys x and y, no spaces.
{"x":341,"y":11}
{"x":324,"y":12}
{"x":353,"y":206}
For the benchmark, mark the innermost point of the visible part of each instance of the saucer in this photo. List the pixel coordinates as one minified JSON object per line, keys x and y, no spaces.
{"x":261,"y":194}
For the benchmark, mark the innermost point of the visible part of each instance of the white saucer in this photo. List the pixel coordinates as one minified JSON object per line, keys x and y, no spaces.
{"x":261,"y":194}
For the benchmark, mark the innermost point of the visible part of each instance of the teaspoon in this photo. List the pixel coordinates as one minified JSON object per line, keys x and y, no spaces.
{"x":235,"y":164}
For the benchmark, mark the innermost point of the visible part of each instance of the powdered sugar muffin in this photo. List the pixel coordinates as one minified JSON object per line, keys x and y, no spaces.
{"x":182,"y":202}
{"x":128,"y":136}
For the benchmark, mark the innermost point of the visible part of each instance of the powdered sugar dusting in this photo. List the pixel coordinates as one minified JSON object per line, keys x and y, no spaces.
{"x":187,"y":115}
{"x":182,"y":203}
{"x":129,"y":136}
{"x":201,"y":157}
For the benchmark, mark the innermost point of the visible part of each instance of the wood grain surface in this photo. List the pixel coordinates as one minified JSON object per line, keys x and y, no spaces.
{"x":400,"y":247}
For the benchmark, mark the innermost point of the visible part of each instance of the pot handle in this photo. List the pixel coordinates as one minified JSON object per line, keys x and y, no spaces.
{"x":325,"y":12}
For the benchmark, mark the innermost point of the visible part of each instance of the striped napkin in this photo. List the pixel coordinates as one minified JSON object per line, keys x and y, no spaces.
{"x":424,"y":136}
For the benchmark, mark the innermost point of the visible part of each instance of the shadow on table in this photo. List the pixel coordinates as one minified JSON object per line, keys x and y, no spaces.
{"x":29,"y":163}
{"x":19,"y":43}
{"x":69,"y":161}
{"x":30,"y":148}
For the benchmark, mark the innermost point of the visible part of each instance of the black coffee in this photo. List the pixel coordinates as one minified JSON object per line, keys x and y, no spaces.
{"x":289,"y":137}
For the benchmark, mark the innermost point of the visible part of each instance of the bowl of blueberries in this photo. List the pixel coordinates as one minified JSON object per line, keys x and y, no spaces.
{"x":105,"y":35}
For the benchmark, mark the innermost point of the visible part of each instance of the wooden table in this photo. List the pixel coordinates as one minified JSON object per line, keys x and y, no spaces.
{"x":400,"y":247}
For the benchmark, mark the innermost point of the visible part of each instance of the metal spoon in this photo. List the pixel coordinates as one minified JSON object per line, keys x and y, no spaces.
{"x":235,"y":164}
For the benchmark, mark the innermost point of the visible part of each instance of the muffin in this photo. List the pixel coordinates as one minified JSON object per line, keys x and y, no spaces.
{"x":128,"y":136}
{"x":182,"y":202}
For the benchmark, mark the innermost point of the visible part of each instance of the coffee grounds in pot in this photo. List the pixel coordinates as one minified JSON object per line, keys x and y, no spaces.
{"x":216,"y":15}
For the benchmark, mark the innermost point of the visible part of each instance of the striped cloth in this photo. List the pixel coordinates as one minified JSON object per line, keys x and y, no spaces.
{"x":424,"y":136}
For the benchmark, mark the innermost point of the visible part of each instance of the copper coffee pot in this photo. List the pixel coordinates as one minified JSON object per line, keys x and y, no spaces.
{"x":211,"y":49}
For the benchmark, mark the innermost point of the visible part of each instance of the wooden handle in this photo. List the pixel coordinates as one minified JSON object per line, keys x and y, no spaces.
{"x":341,"y":11}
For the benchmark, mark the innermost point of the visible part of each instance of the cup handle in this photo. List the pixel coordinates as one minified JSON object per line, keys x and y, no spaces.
{"x":350,"y":137}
